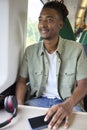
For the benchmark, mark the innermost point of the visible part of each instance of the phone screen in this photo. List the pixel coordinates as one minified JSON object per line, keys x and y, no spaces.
{"x":37,"y":122}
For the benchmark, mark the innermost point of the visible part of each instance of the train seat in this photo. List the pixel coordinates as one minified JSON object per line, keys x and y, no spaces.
{"x":85,"y":48}
{"x":67,"y":31}
{"x":83,"y":38}
{"x":12,"y":30}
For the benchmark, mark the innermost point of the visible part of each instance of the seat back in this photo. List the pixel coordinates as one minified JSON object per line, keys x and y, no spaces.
{"x":67,"y":31}
{"x":85,"y":48}
{"x":83,"y":38}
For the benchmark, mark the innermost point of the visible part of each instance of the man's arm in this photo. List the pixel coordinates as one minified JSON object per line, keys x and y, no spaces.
{"x":64,"y":109}
{"x":21,"y":90}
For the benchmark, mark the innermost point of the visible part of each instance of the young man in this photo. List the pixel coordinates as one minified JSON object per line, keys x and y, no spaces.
{"x":56,"y":69}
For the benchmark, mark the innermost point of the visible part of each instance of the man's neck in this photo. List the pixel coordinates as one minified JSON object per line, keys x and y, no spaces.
{"x":51,"y":45}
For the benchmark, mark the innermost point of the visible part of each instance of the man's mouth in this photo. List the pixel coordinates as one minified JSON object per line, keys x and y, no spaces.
{"x":44,"y":31}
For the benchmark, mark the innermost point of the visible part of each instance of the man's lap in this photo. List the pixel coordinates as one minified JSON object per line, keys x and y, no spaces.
{"x":47,"y":102}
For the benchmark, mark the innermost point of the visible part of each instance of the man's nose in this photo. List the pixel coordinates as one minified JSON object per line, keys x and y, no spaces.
{"x":43,"y":23}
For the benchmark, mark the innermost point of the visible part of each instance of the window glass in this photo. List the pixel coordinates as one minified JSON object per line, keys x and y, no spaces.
{"x":34,"y":8}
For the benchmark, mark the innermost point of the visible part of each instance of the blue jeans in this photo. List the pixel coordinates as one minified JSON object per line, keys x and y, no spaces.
{"x":47,"y":102}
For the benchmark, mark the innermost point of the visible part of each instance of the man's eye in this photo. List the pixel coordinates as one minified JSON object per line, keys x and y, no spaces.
{"x":50,"y":20}
{"x":40,"y":20}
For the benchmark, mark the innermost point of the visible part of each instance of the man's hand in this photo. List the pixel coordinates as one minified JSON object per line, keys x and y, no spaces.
{"x":60,"y":112}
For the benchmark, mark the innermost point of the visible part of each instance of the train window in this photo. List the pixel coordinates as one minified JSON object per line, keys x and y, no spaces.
{"x":32,"y":22}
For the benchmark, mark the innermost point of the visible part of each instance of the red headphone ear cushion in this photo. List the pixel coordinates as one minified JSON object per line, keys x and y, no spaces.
{"x":10,"y":103}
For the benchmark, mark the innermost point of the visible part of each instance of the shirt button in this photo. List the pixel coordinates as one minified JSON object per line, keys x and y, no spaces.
{"x":65,"y":73}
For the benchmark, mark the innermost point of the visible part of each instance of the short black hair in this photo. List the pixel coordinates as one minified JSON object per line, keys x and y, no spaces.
{"x":59,"y":7}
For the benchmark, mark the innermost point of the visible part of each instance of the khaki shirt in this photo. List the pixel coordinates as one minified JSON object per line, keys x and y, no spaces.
{"x":71,"y":66}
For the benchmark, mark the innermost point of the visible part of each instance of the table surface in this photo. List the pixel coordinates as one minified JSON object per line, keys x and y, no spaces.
{"x":78,"y":120}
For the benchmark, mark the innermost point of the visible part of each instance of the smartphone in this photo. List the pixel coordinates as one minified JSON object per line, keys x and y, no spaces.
{"x":38,"y":123}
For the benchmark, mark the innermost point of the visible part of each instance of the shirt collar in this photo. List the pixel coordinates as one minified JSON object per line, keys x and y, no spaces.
{"x":59,"y":47}
{"x":41,"y":48}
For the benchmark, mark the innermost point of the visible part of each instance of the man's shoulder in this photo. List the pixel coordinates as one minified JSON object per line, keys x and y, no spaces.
{"x":71,"y":48}
{"x":34,"y":47}
{"x":73,"y":44}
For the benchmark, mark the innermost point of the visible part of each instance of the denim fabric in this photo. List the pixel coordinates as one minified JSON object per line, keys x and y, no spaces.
{"x":47,"y":102}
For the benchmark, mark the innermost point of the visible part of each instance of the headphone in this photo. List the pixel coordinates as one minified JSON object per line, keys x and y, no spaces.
{"x":10,"y":104}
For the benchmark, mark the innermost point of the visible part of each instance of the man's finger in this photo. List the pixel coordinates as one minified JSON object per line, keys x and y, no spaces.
{"x":66,"y":123}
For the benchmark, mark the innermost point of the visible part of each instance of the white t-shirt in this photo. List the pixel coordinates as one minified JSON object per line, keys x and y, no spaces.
{"x":51,"y":86}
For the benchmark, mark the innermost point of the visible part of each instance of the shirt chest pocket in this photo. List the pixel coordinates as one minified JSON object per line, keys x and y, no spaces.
{"x":37,"y":74}
{"x":36,"y":77}
{"x":67,"y":77}
{"x":68,"y":71}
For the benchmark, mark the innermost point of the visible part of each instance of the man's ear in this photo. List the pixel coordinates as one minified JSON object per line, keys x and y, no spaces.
{"x":60,"y":24}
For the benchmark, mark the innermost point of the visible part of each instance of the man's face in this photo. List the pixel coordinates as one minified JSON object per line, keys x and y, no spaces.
{"x":49,"y":23}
